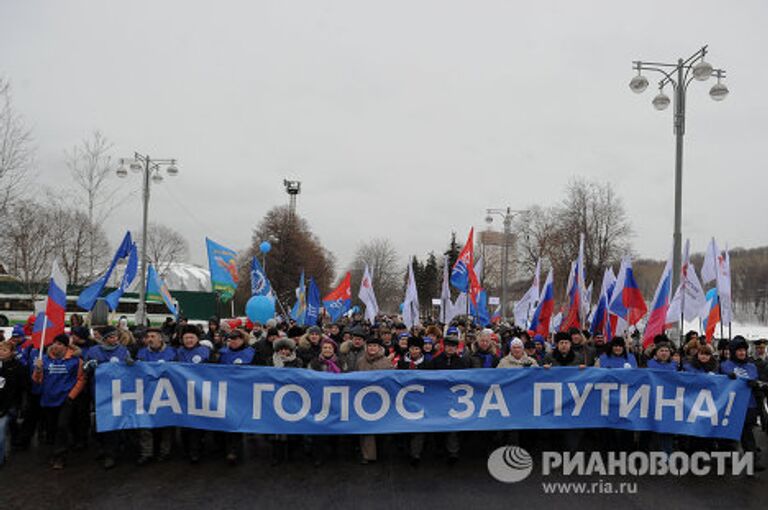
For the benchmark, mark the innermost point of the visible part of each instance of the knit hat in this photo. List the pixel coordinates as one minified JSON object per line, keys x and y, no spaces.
{"x":285,"y":343}
{"x":18,"y":330}
{"x":327,"y":340}
{"x":539,"y":339}
{"x":315,"y":329}
{"x":516,"y":341}
{"x":451,"y":340}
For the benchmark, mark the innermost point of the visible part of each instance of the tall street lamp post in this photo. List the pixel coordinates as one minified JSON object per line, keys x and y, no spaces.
{"x":679,"y":76}
{"x":151,"y":169}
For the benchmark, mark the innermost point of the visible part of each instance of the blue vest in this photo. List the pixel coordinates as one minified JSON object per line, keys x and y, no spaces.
{"x":161,"y":356}
{"x":198,"y":354}
{"x":59,"y":377}
{"x":617,"y":361}
{"x":669,"y":365}
{"x":746,"y":370}
{"x":101,"y":355}
{"x":243,"y":356}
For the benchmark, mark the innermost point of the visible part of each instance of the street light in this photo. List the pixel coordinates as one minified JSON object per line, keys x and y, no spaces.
{"x":679,"y":75}
{"x":507,"y":214}
{"x":152,"y":171}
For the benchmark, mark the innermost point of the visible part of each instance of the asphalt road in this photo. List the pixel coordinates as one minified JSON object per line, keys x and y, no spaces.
{"x":26,"y":482}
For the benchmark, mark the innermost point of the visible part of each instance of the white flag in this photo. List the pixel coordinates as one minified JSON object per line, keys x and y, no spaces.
{"x":459,"y":307}
{"x":557,"y":320}
{"x":689,"y":299}
{"x":367,"y":296}
{"x":709,"y":268}
{"x":479,"y":266}
{"x":530,"y":299}
{"x":411,"y":303}
{"x":724,"y":286}
{"x":583,"y":291}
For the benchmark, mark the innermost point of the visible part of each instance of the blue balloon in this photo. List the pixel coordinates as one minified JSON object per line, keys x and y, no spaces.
{"x":265,"y":246}
{"x":260,"y":308}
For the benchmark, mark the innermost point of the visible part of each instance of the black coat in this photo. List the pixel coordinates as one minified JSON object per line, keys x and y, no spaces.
{"x":454,"y":362}
{"x":13,"y":383}
{"x":263,"y":355}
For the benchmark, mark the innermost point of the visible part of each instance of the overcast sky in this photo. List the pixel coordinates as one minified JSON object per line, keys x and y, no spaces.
{"x":403,"y":119}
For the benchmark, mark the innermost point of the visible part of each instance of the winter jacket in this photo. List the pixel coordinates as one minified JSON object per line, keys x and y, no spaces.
{"x":696,"y":367}
{"x":657,"y":365}
{"x":242,"y":356}
{"x":445,"y":362}
{"x":307,"y":351}
{"x":405,"y":363}
{"x":197,"y":354}
{"x":510,"y":361}
{"x":262,"y":352}
{"x":291,"y":363}
{"x":349,"y":356}
{"x":483,"y":359}
{"x":13,"y":378}
{"x":378,"y":362}
{"x":166,"y":353}
{"x":586,"y":354}
{"x":744,"y":370}
{"x":103,"y":354}
{"x":556,"y":359}
{"x":611,"y":361}
{"x":59,"y":379}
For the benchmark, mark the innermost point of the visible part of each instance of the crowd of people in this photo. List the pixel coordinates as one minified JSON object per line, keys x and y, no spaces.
{"x":49,"y":396}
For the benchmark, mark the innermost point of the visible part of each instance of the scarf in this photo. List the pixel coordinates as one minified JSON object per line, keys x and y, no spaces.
{"x":280,"y":361}
{"x":330,"y":364}
{"x":412,"y":364}
{"x":487,"y":359}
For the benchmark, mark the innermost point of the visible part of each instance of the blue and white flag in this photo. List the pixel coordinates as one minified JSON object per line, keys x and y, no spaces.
{"x":91,"y":293}
{"x":131,"y":270}
{"x":299,"y":310}
{"x":314,"y":303}
{"x":260,"y":285}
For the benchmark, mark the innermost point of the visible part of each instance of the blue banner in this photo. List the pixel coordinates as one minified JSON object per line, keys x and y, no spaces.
{"x":294,"y":401}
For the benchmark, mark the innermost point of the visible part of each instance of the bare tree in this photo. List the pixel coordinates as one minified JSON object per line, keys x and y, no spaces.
{"x":387,"y":270}
{"x":16,"y":151}
{"x":553,"y":233}
{"x":28,"y":244}
{"x":165,"y":246}
{"x":89,"y":164}
{"x":74,"y":234}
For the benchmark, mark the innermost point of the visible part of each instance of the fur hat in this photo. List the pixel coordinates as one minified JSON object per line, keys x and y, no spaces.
{"x":62,"y":339}
{"x":189,"y":329}
{"x":285,"y":343}
{"x":415,"y":341}
{"x":451,"y":340}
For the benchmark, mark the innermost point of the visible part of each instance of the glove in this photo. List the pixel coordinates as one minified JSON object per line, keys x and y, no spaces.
{"x":129,"y":361}
{"x":91,"y":365}
{"x":732,"y":375}
{"x":753,"y":383}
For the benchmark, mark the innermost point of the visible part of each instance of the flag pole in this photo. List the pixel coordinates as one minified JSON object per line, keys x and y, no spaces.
{"x":42,"y":337}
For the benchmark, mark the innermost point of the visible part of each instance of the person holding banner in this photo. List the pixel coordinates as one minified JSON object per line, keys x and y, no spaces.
{"x":414,"y":359}
{"x":60,"y":376}
{"x":283,"y":357}
{"x":157,"y":351}
{"x":237,"y":352}
{"x":617,"y":355}
{"x":373,"y":359}
{"x":450,"y":359}
{"x":108,"y":351}
{"x":320,"y":446}
{"x":739,"y":366}
{"x":191,"y":351}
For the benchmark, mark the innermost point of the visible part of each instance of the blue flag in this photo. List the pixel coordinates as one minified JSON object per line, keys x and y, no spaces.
{"x":259,"y":283}
{"x":480,"y":312}
{"x":299,"y":310}
{"x":314,"y":302}
{"x":222,"y":262}
{"x":158,"y":291}
{"x":131,"y":269}
{"x":90,"y":294}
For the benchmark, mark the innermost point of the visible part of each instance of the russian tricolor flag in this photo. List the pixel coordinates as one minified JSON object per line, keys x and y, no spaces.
{"x":627,"y":301}
{"x":659,"y":307}
{"x":50,"y":323}
{"x":543,"y":313}
{"x":713,"y":313}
